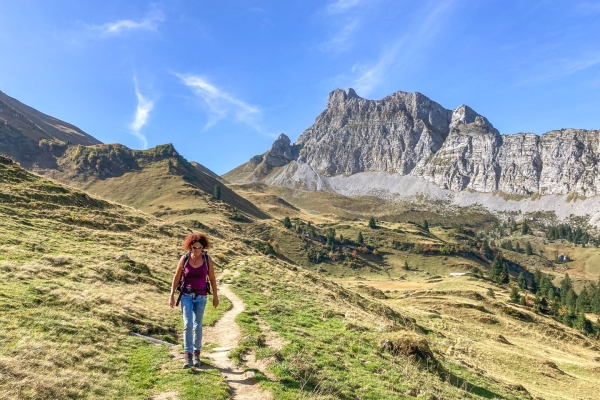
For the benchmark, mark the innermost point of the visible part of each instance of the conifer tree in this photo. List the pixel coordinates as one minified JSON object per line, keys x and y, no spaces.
{"x":514,"y":295}
{"x":504,"y":277}
{"x":528,"y":249}
{"x":426,"y":225}
{"x":522,"y":281}
{"x":372,"y":223}
{"x":583,"y":301}
{"x":498,"y":267}
{"x":486,"y":250}
{"x":406,"y":267}
{"x":518,"y":247}
{"x":360,"y":238}
{"x":525,"y":228}
{"x":565,"y":285}
{"x":583,"y":324}
{"x":570,"y":300}
{"x":287,"y":223}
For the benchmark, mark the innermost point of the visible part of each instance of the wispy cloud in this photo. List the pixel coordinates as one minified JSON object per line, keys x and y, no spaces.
{"x":220,"y":103}
{"x":341,"y":6}
{"x":561,"y":68}
{"x":404,"y":49}
{"x":341,"y":40}
{"x":149,"y":23}
{"x":342,"y":18}
{"x":142,"y":113}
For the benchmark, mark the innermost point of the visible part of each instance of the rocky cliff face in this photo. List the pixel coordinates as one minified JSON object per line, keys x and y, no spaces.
{"x":409,"y":134}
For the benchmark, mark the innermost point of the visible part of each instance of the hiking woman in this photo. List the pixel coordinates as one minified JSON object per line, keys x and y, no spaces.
{"x":195,"y":266}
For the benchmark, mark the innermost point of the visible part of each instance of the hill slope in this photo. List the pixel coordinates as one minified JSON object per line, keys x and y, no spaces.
{"x":156,"y":180}
{"x":70,"y":297}
{"x":23,"y":128}
{"x":77,"y":274}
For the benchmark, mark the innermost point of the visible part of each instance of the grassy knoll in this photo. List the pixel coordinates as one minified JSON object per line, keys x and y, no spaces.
{"x":77,"y":274}
{"x":343,"y":345}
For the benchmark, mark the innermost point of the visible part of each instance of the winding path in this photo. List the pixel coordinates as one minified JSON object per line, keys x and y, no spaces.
{"x":226,"y":334}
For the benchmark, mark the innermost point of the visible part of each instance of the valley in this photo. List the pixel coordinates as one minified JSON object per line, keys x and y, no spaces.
{"x":357,"y":325}
{"x":344,"y":295}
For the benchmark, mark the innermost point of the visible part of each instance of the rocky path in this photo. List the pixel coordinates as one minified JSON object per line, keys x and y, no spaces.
{"x":226,"y":334}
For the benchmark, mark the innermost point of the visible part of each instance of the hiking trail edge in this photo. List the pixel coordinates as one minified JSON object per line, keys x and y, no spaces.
{"x":226,"y":334}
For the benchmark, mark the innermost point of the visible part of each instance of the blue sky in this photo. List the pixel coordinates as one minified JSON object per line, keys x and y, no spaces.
{"x":221,"y":79}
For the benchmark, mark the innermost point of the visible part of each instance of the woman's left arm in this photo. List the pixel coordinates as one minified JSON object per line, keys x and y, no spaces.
{"x":213,"y":281}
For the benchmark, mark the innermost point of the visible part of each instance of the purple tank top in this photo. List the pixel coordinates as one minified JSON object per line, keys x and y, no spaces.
{"x":195,"y":278}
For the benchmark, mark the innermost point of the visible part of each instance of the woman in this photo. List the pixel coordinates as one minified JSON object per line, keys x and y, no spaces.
{"x":195,"y":265}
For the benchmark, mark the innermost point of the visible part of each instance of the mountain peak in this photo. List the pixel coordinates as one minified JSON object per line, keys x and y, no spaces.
{"x":340,"y":96}
{"x":464,"y":114}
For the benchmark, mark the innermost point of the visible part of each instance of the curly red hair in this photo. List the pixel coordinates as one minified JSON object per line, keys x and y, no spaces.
{"x":196,"y":237}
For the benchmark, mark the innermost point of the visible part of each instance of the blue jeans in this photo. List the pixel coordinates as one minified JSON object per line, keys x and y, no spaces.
{"x":192,"y":308}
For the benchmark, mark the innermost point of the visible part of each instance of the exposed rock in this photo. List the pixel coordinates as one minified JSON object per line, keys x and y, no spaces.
{"x":409,"y":134}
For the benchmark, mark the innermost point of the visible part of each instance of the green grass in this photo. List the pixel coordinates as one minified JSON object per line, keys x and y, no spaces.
{"x":331,"y":351}
{"x":147,"y":369}
{"x":68,"y":303}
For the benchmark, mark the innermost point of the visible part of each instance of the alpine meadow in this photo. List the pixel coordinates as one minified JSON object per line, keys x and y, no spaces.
{"x":368,"y":243}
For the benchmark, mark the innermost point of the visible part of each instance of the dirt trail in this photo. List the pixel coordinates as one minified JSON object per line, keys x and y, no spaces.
{"x":226,"y":333}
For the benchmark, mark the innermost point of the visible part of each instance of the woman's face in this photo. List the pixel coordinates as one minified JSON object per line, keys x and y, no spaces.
{"x":197,"y":247}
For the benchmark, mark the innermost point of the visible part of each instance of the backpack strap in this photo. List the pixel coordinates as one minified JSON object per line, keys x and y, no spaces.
{"x":208,"y":288}
{"x":182,"y":278}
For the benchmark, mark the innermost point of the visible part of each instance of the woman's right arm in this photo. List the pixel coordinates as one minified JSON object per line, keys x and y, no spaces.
{"x":176,"y":278}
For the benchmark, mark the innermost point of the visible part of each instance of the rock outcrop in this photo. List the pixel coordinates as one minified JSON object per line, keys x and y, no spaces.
{"x":409,"y":134}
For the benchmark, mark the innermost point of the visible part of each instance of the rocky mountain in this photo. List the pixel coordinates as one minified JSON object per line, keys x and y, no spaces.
{"x":409,"y":134}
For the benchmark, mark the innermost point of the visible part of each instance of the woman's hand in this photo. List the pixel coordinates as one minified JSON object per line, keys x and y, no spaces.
{"x":172,"y":300}
{"x":215,"y":301}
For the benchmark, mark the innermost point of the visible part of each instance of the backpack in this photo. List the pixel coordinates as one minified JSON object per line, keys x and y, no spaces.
{"x":181,"y":284}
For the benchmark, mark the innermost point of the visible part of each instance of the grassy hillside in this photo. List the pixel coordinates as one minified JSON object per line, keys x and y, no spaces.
{"x":355,"y":326}
{"x":156,"y":180}
{"x":77,"y":274}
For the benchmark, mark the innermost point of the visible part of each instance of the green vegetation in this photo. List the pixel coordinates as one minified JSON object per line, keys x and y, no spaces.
{"x":70,"y":296}
{"x":326,"y":316}
{"x":372,"y":223}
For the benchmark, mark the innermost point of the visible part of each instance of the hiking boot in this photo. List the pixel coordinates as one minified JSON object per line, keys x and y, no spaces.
{"x":197,"y":362}
{"x":188,"y":361}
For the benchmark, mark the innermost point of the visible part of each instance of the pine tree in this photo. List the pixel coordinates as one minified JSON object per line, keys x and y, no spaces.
{"x":583,"y":324}
{"x":487,"y":251}
{"x":372,"y":223}
{"x":583,"y":301}
{"x":330,"y":236}
{"x":514,"y":295}
{"x":287,"y":223}
{"x":406,"y":267}
{"x":571,"y":300}
{"x":525,"y":228}
{"x":426,"y":225}
{"x":360,"y":239}
{"x":497,"y":269}
{"x":504,"y":277}
{"x":517,"y":247}
{"x":217,"y":192}
{"x":565,"y":285}
{"x":341,"y":238}
{"x":521,"y":281}
{"x":528,"y":249}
